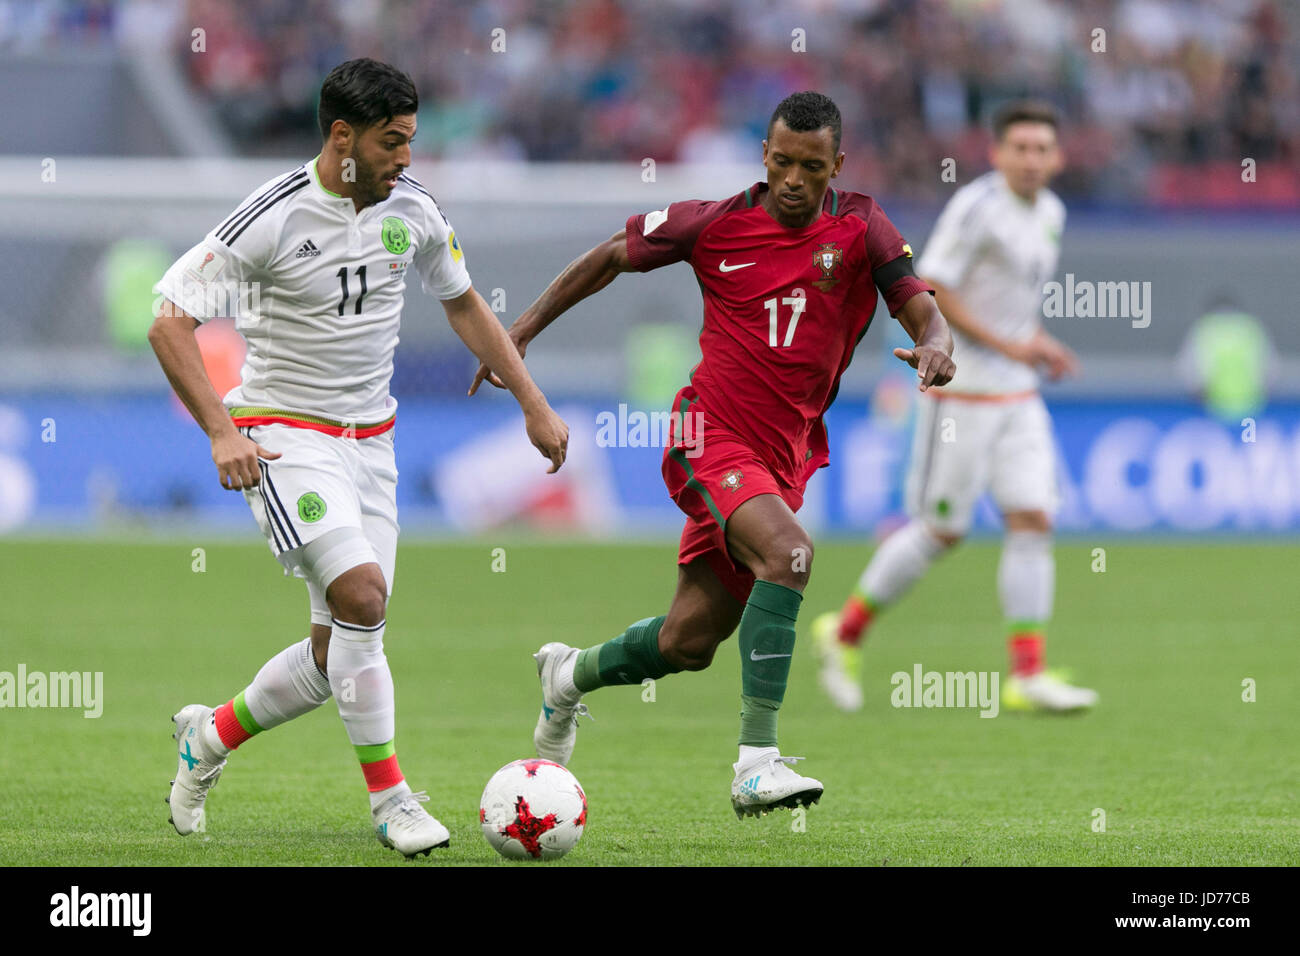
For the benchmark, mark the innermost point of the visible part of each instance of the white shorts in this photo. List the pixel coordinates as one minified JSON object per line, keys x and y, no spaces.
{"x":320,"y":483}
{"x":963,"y":447}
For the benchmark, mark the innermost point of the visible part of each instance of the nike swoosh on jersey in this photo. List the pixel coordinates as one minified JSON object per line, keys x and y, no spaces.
{"x":723,"y":267}
{"x":755,"y":656}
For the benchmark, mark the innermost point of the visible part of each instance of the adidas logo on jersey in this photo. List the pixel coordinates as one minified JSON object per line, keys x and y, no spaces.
{"x":307,"y":250}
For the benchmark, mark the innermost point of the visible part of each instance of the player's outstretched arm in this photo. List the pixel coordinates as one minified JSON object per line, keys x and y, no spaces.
{"x":931,"y":355}
{"x":584,"y":276}
{"x":482,"y":334}
{"x":172,"y":338}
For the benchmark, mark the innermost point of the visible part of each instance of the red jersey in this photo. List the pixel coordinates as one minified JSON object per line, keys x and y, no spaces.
{"x":783,"y":309}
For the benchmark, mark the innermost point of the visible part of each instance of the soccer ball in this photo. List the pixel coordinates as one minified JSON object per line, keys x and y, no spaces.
{"x":533,"y":810}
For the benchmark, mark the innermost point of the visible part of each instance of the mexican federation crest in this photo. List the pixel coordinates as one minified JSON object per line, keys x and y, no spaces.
{"x":827,"y":257}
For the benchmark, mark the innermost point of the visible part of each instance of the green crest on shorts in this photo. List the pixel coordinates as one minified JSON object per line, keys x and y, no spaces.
{"x":397,"y":238}
{"x":310,"y":507}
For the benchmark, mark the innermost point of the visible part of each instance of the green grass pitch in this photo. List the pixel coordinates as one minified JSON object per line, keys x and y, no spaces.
{"x":1185,"y":770}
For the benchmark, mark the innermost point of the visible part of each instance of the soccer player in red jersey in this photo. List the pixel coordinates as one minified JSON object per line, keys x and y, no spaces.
{"x":789,"y":271}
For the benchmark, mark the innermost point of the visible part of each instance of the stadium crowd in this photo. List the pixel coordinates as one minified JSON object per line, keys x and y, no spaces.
{"x":1169,"y":101}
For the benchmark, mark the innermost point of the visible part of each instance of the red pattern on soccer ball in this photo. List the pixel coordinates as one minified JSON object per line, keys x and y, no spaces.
{"x":482,"y":814}
{"x":582,"y":817}
{"x":527,"y":829}
{"x":532,"y":766}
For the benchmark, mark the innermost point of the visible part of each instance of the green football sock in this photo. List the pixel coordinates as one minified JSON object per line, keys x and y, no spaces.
{"x":766,"y":648}
{"x":628,"y":659}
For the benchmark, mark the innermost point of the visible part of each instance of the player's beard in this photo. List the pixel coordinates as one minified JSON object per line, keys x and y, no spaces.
{"x":370,"y":181}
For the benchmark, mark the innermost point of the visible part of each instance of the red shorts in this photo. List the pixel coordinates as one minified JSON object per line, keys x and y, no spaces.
{"x":710,"y":472}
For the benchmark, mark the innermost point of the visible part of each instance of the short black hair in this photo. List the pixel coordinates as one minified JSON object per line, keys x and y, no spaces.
{"x":808,"y":111}
{"x":1024,"y":111}
{"x":364,"y":92}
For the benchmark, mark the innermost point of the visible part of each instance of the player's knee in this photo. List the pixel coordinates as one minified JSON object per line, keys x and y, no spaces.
{"x":946,"y":540}
{"x":687,"y":650}
{"x":1038,"y":522}
{"x":363,"y":601}
{"x":365,"y":609}
{"x":694,"y":656}
{"x":788,"y":562}
{"x":370,"y":606}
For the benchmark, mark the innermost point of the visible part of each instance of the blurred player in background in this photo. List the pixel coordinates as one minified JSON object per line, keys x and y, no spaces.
{"x":994,"y":246}
{"x":1227,"y":360}
{"x":308,"y":434}
{"x":789,"y":271}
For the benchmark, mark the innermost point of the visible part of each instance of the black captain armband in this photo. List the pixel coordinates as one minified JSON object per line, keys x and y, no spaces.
{"x":892,"y":271}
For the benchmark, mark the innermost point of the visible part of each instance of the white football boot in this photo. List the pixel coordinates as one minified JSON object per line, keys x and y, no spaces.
{"x":195,"y":773}
{"x":767,"y":783}
{"x":1045,"y":691}
{"x":403,"y":825}
{"x":557,"y":725}
{"x":840,"y":671}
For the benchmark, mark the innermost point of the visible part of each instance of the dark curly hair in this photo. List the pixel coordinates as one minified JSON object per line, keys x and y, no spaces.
{"x":807,"y":111}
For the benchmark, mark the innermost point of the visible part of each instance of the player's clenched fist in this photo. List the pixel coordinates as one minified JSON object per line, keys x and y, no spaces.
{"x":548,"y":433}
{"x":236,"y":459}
{"x":933,"y":366}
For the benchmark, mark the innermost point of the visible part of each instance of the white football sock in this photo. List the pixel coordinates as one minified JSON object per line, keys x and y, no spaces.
{"x":212,"y":740}
{"x":1027,"y":576}
{"x":899,"y":563}
{"x":564,"y":684}
{"x":749,"y":754}
{"x":380,"y":796}
{"x":288,"y":686}
{"x":361,"y":682}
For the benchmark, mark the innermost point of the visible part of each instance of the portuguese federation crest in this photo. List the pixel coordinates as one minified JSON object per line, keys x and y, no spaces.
{"x":827,"y":257}
{"x":731,"y":480}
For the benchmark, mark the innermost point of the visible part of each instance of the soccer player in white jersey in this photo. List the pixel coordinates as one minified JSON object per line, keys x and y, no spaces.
{"x":994,"y":246}
{"x":313,"y":265}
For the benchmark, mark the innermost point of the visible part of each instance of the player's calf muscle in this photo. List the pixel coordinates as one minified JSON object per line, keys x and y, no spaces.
{"x":702,"y":616}
{"x":320,"y":645}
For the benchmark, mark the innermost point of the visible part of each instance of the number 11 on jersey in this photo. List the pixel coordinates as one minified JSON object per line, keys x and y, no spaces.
{"x":797,"y":302}
{"x":343,"y":281}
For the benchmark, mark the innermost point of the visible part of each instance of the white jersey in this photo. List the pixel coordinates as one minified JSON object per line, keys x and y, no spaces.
{"x":316,"y":291}
{"x":996,"y":252}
